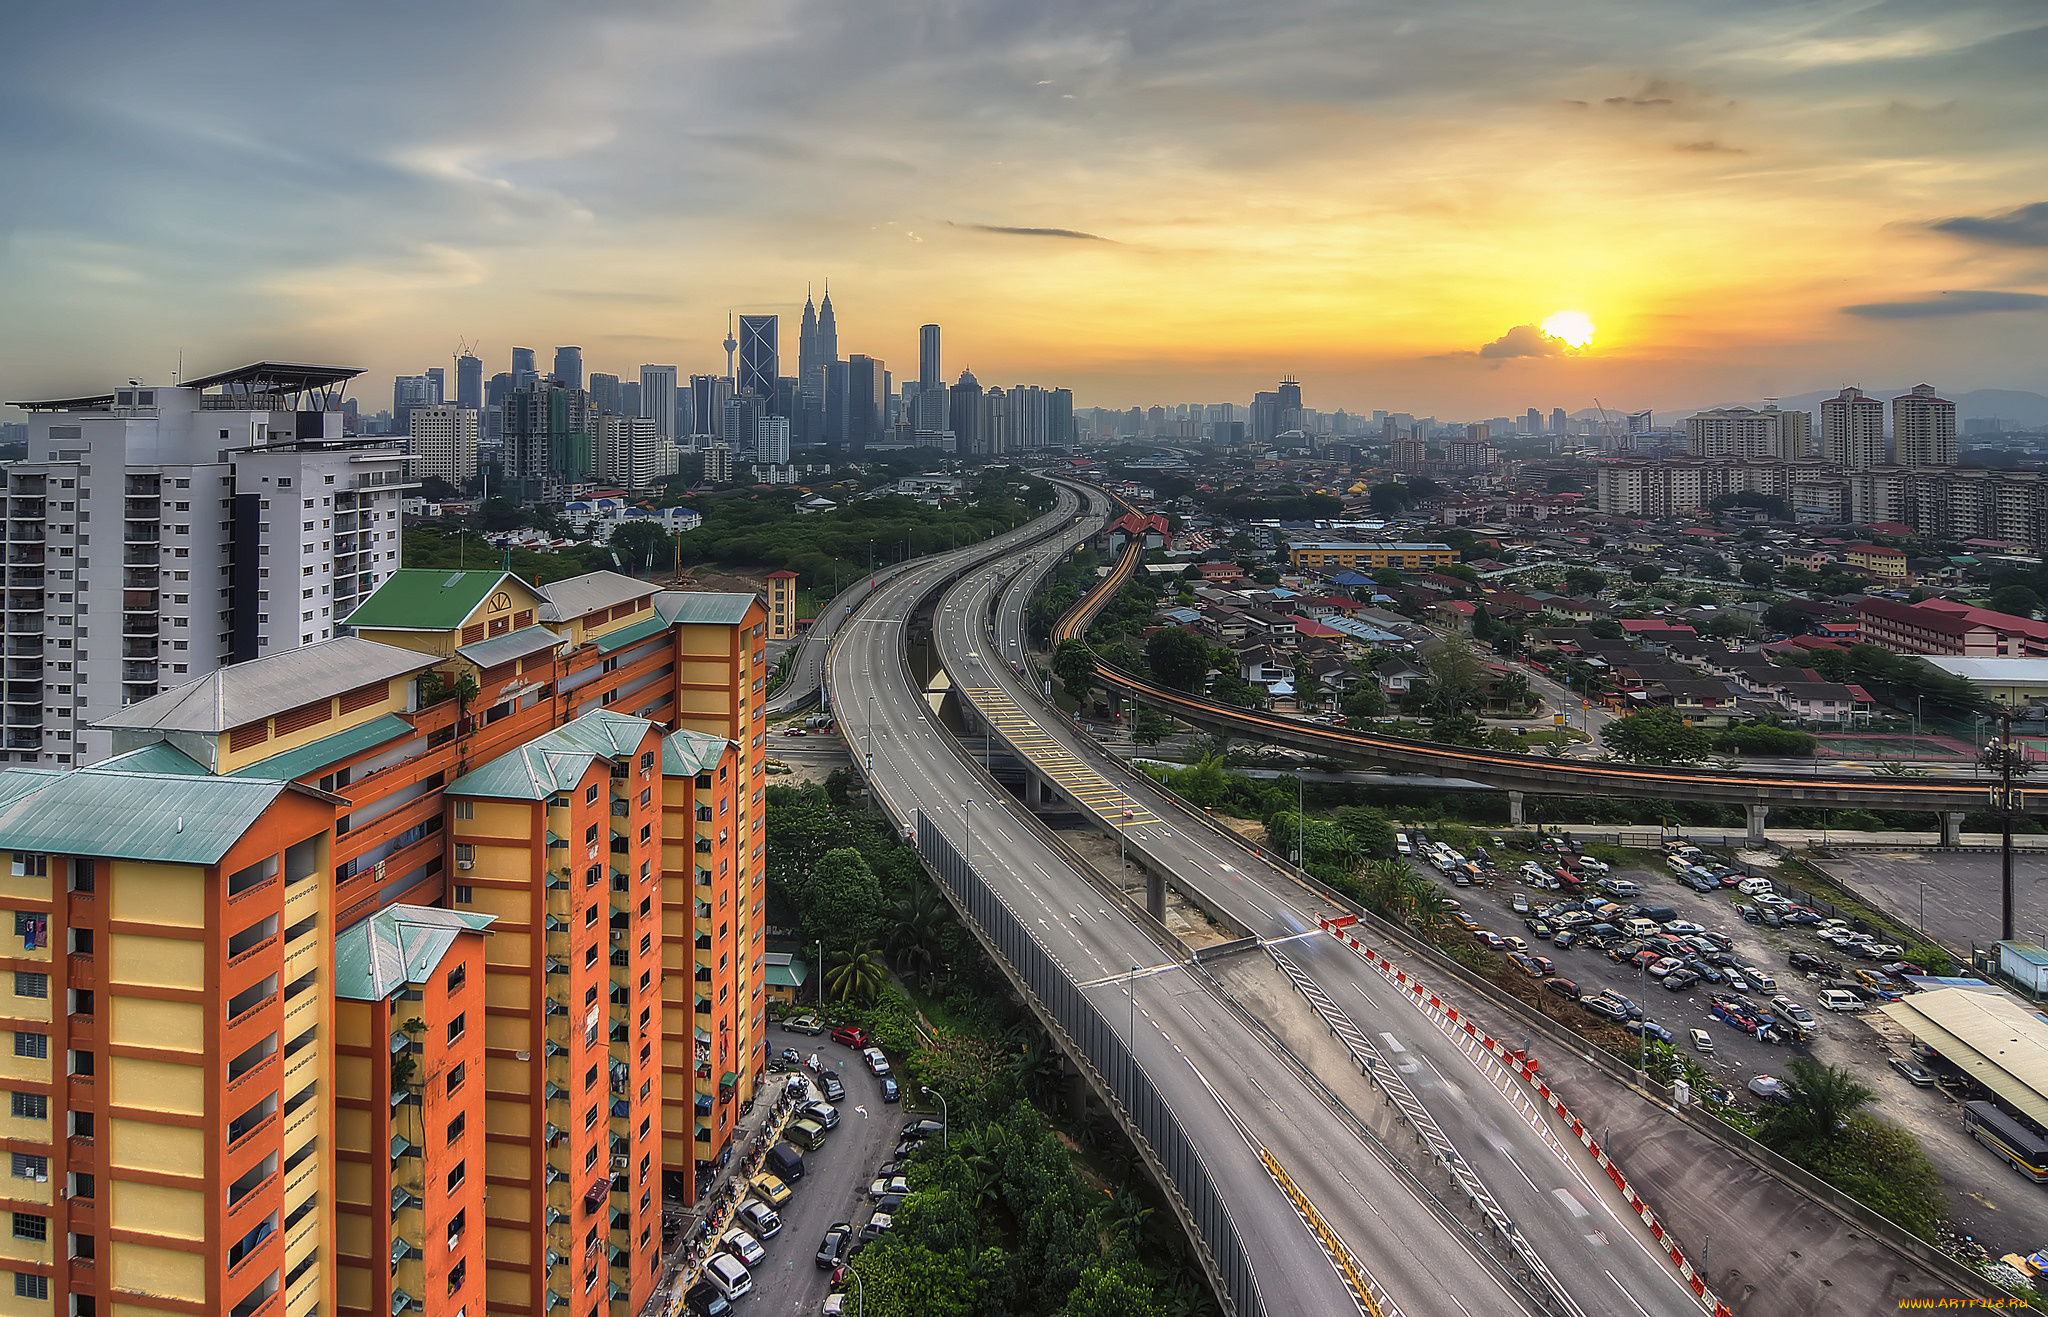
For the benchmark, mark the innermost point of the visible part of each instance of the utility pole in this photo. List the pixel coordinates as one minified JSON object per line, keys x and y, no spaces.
{"x":2005,"y":822}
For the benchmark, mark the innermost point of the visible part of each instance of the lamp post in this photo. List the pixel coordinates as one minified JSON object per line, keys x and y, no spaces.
{"x":945,"y":1121}
{"x":859,"y":1292}
{"x":1300,"y":819}
{"x":1916,"y":726}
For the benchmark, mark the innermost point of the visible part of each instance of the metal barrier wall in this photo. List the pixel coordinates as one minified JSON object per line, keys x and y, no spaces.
{"x":1106,"y":1052}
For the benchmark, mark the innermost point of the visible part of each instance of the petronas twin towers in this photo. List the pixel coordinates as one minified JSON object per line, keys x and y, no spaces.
{"x":818,"y":344}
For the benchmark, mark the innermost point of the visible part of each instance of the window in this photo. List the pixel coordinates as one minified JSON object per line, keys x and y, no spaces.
{"x":458,"y":1175}
{"x":27,"y":1225}
{"x":29,"y":1106}
{"x":455,"y":1128}
{"x":457,"y":976}
{"x":464,"y":895}
{"x":27,"y":1286}
{"x":31,"y":866}
{"x":29,"y":1166}
{"x":457,"y":1026}
{"x":35,"y":1045}
{"x":590,"y":795}
{"x":456,"y":1075}
{"x":81,"y":1186}
{"x":465,"y":809}
{"x":31,"y":985}
{"x":456,"y":1274}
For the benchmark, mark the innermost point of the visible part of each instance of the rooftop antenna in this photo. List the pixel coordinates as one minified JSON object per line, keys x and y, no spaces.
{"x":731,"y":343}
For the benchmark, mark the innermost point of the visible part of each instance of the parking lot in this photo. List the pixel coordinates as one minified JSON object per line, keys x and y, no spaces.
{"x":1988,"y":1200}
{"x":788,"y":1282}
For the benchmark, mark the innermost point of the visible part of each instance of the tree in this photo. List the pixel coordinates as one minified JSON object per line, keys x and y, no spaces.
{"x":1787,"y":618}
{"x":1656,"y":736}
{"x":639,"y":544}
{"x":1512,"y":691}
{"x":436,"y":490}
{"x":842,"y":899}
{"x":2019,"y":600}
{"x":1460,"y":728}
{"x":1306,"y":689}
{"x":1178,"y":658}
{"x":1150,"y":727}
{"x":1074,"y":665}
{"x":1234,"y":690}
{"x":1714,"y":566}
{"x":1757,"y":572}
{"x":1365,"y":701}
{"x":1765,"y":739}
{"x":857,"y":974}
{"x":1584,"y":581}
{"x":1369,"y":827}
{"x":1646,"y":573}
{"x":1821,"y":1101}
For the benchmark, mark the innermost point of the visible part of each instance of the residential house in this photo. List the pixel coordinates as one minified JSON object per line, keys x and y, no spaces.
{"x":1825,"y":702}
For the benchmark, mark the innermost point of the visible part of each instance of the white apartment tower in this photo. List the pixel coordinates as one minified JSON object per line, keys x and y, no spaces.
{"x":233,"y":519}
{"x":444,"y":442}
{"x":1747,"y":432}
{"x":1852,"y":430}
{"x":658,"y":399}
{"x":628,"y":450}
{"x":771,"y":440}
{"x":1924,"y":428}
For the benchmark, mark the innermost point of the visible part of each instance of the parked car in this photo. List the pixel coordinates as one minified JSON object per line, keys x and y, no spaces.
{"x":1564,"y":939}
{"x":1915,"y":1074}
{"x":805,"y":1024}
{"x":1650,"y":1028}
{"x":878,"y":1063}
{"x":1808,"y":963}
{"x":891,"y":1092}
{"x":1564,"y":988}
{"x":1702,"y":1041}
{"x":742,"y":1246}
{"x":832,"y":1249}
{"x":832,"y":1088}
{"x":706,"y":1300}
{"x":894,"y":1184}
{"x":922,"y":1129}
{"x":877,"y":1226}
{"x":1524,"y":964}
{"x":762,"y":1221}
{"x":1544,"y":964}
{"x":1665,"y":966}
{"x":1680,"y":980}
{"x":824,"y":1113}
{"x":851,"y":1035}
{"x":771,"y":1189}
{"x":1604,"y":1007}
{"x":724,"y":1271}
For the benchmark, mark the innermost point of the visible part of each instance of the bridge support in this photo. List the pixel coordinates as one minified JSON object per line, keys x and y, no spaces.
{"x":1952,"y":827}
{"x":1515,"y":809}
{"x":1155,"y":894}
{"x":1757,"y":815}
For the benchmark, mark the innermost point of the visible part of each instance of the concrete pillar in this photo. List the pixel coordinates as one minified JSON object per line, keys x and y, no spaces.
{"x":1952,"y":827}
{"x":1757,"y":815}
{"x":1515,"y":809}
{"x":1155,"y":894}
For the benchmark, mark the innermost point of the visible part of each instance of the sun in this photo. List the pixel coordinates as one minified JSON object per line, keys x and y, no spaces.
{"x":1574,"y":327}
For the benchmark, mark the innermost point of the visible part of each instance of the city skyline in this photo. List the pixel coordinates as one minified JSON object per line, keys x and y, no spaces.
{"x":1744,"y":206}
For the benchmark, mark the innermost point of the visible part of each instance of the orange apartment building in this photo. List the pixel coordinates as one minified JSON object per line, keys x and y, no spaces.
{"x":781,"y":605}
{"x":201,"y":1117}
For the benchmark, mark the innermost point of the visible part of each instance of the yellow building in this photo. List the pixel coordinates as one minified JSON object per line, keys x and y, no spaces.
{"x":1342,"y":555}
{"x":781,"y":605}
{"x":1885,"y":563}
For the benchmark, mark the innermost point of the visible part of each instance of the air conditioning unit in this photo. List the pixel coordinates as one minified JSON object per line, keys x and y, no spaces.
{"x":465,"y":864}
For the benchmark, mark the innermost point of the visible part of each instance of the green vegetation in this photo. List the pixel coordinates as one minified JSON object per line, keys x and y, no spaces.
{"x":1656,"y":736}
{"x":1898,"y":679}
{"x":1060,"y":591}
{"x":1029,"y":1206}
{"x":449,"y":549}
{"x":1825,"y":1128}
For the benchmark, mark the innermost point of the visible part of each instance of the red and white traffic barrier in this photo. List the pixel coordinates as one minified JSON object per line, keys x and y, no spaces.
{"x":1526,"y":1066}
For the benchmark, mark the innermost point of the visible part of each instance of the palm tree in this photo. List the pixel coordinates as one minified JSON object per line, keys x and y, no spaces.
{"x":914,"y":922}
{"x":1126,"y":1213}
{"x":1821,"y":1101}
{"x":856,"y":972}
{"x":1039,"y":1072}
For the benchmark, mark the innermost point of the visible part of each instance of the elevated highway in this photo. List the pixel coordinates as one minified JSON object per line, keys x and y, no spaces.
{"x":1519,"y":774}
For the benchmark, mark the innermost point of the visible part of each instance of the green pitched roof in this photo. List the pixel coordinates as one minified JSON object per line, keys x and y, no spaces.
{"x":156,"y":757}
{"x":400,"y":944}
{"x":328,"y":749}
{"x":702,"y":607}
{"x":169,"y":818}
{"x":627,"y":635}
{"x":779,"y":969}
{"x":555,"y":761}
{"x":426,"y":599}
{"x":685,"y":753}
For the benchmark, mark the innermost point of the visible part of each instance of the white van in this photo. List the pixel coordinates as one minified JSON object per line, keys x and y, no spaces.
{"x":1640,"y":928}
{"x":1753,"y":886}
{"x":1834,"y":999}
{"x":1701,"y":1042}
{"x":1402,"y":845}
{"x":732,"y":1279}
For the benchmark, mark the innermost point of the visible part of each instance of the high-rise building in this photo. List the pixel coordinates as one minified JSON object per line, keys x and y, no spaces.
{"x":1923,"y":428}
{"x":1746,"y":432}
{"x":993,"y":428}
{"x":807,"y":359}
{"x":444,"y":438}
{"x":1532,"y":422}
{"x":1059,"y":419}
{"x":604,"y":395}
{"x":569,"y":366}
{"x":469,"y":382}
{"x":964,"y":404}
{"x":930,"y":373}
{"x":717,"y":463}
{"x":523,"y":372}
{"x":828,"y":330}
{"x":1852,"y":430}
{"x":771,"y":440}
{"x":1559,"y":422}
{"x":235,"y":519}
{"x":629,"y":399}
{"x":626,"y":451}
{"x":658,"y":399}
{"x":708,"y":395}
{"x":866,"y":401}
{"x":547,"y":434}
{"x":359,"y":1046}
{"x":408,"y":392}
{"x":758,"y":367}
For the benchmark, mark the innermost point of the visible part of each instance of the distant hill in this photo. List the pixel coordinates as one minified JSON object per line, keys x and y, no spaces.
{"x":2018,"y":405}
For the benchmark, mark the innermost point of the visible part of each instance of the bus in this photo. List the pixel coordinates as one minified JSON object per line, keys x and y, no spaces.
{"x":2026,"y":1150}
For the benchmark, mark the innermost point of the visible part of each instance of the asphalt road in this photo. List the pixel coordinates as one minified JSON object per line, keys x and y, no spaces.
{"x":916,"y":768}
{"x":1958,"y":891}
{"x":1544,"y":1192}
{"x":788,"y":1283}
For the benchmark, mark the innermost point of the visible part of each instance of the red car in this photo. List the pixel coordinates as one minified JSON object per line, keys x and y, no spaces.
{"x":850,"y":1035}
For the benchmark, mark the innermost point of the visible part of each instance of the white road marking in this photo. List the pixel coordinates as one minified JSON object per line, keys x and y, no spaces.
{"x":1518,"y":1168}
{"x":1361,"y":991}
{"x":1625,"y":1294}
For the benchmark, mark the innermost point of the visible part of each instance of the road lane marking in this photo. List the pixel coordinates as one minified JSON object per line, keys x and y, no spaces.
{"x":1518,"y":1168}
{"x":1361,"y":991}
{"x":1624,"y":1293}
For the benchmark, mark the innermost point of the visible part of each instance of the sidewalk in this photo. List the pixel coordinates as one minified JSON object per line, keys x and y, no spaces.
{"x":700,"y":1225}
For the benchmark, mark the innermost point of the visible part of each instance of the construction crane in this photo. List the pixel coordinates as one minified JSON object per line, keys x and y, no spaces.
{"x":1608,"y":430}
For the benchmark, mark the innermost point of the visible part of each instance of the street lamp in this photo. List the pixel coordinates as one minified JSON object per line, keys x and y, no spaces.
{"x":821,"y":973}
{"x":945,"y":1121}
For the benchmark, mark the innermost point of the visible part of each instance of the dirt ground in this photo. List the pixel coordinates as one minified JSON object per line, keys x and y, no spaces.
{"x":808,"y":758}
{"x":1184,"y":919}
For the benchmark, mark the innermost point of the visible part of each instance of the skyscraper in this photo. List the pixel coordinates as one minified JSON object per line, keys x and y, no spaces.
{"x":1924,"y":428}
{"x":965,"y":405}
{"x":828,"y":330}
{"x":604,"y":394}
{"x":807,"y":340}
{"x":658,"y":398}
{"x":569,"y":366}
{"x":1852,"y":430}
{"x":443,"y":441}
{"x":707,"y":406}
{"x":469,"y":382}
{"x":759,"y":368}
{"x":408,"y":392}
{"x":866,"y":401}
{"x":930,"y":374}
{"x":1559,"y":424}
{"x":771,"y":440}
{"x":523,"y":372}
{"x":1532,"y":423}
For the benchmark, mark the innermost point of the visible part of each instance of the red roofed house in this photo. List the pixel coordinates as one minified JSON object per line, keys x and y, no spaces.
{"x":1918,"y":629}
{"x":1152,"y":530}
{"x":1454,"y":613}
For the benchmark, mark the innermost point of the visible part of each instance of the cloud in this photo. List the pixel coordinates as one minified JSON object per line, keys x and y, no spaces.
{"x":1960,"y":302}
{"x":2026,"y":226}
{"x":1524,"y":341}
{"x":1017,"y":232}
{"x":1712,"y":147}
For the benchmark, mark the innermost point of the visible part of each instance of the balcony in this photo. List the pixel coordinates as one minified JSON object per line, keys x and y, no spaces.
{"x":25,"y":532}
{"x":141,"y":624}
{"x":24,"y":624}
{"x":24,"y":669}
{"x":138,"y":672}
{"x":142,"y":509}
{"x":143,"y":486}
{"x":139,"y":555}
{"x":138,"y":648}
{"x":139,"y":532}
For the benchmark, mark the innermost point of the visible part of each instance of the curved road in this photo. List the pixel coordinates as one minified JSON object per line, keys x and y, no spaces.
{"x":1212,"y":1069}
{"x":1575,"y":1220}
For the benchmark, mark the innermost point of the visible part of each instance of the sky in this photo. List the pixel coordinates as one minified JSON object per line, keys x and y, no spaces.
{"x":1145,"y":202}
